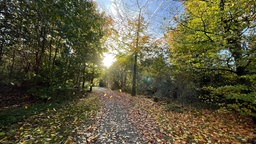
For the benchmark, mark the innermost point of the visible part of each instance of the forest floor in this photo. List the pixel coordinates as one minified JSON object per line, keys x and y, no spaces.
{"x":106,"y":116}
{"x":126,"y":119}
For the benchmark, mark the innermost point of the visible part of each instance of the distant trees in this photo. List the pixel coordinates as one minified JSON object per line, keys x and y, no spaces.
{"x":49,"y":43}
{"x":130,"y":34}
{"x":119,"y":75}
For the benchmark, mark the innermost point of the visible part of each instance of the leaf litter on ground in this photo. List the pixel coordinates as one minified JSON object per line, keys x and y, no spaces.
{"x":55,"y":125}
{"x":122,"y":118}
{"x":155,"y":122}
{"x":191,"y":125}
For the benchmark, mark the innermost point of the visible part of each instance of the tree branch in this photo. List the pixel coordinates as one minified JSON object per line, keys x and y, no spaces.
{"x":204,"y":31}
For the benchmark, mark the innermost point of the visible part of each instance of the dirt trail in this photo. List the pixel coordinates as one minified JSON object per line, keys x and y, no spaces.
{"x":115,"y":125}
{"x":120,"y":121}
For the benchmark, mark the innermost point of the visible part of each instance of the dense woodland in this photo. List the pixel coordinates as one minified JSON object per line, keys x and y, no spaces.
{"x":50,"y":48}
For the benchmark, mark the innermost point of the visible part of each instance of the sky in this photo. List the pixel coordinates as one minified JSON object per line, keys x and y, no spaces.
{"x":158,"y":15}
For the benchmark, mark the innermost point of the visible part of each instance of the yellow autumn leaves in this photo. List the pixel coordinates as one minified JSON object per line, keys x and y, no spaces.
{"x":106,"y":95}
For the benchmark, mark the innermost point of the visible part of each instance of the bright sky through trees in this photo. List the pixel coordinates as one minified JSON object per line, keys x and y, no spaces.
{"x":108,"y":59}
{"x":158,"y":14}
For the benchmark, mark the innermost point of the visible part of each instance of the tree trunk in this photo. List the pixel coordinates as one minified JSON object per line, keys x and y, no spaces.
{"x":91,"y":84}
{"x":55,"y":53}
{"x":1,"y":52}
{"x":12,"y":65}
{"x":83,"y":84}
{"x":134,"y":81}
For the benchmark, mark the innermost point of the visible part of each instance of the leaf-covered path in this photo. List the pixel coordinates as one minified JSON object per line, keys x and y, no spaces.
{"x":115,"y":125}
{"x":120,"y":122}
{"x":127,"y":119}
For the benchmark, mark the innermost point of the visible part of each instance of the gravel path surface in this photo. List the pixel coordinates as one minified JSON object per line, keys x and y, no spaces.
{"x":120,"y":121}
{"x":115,"y":125}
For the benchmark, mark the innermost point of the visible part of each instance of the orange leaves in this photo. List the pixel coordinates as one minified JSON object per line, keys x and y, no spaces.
{"x":69,"y":141}
{"x":169,"y":38}
{"x":145,"y":122}
{"x":144,"y":39}
{"x":198,"y":125}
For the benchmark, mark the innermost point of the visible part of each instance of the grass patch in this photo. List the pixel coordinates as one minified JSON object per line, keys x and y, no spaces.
{"x":47,"y":123}
{"x":12,"y":116}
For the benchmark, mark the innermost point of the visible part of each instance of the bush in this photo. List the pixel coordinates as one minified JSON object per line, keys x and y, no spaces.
{"x":53,"y":93}
{"x":240,"y":97}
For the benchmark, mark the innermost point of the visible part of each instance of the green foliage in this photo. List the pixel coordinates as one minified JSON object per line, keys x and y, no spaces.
{"x":119,"y":75}
{"x":174,"y":108}
{"x":48,"y":43}
{"x":236,"y":97}
{"x":212,"y":47}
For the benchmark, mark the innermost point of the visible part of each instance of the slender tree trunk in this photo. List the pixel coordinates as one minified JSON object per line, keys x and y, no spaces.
{"x":41,"y":50}
{"x":1,"y":52}
{"x":134,"y":80}
{"x":83,"y":84}
{"x":50,"y":51}
{"x":13,"y":62}
{"x":91,"y":84}
{"x":78,"y":77}
{"x":55,"y":54}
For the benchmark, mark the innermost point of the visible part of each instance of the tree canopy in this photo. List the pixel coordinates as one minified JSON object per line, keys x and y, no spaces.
{"x":214,"y":41}
{"x":49,"y":44}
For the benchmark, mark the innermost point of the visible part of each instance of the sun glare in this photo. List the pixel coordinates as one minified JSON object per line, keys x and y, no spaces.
{"x":108,"y":59}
